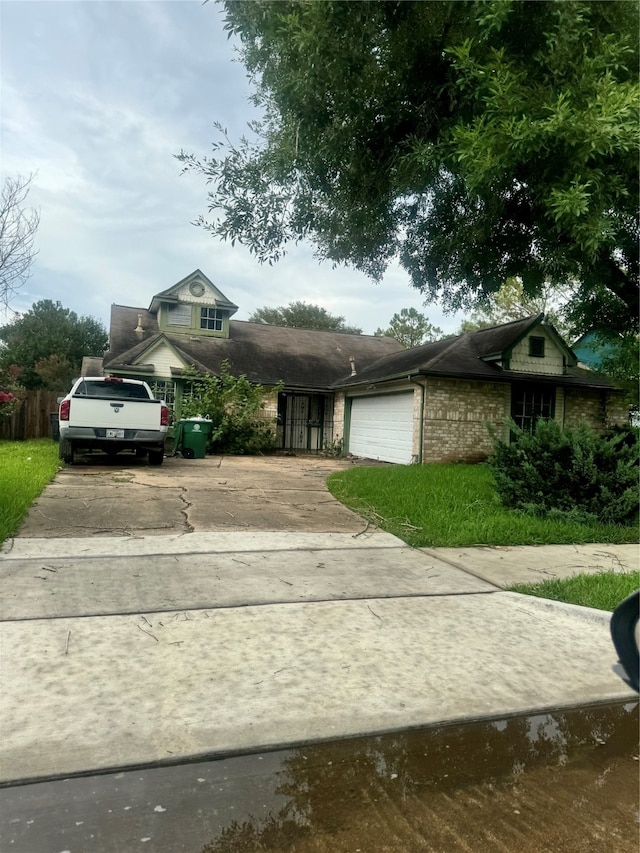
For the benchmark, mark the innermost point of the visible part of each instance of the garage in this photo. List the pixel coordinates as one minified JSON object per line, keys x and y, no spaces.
{"x":381,"y":427}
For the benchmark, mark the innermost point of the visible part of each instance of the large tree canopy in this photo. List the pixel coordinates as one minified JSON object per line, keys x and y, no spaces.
{"x":303,"y":315}
{"x":50,"y":341}
{"x":473,"y":141}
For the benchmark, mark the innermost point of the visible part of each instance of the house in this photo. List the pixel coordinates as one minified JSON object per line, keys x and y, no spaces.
{"x":434,"y":403}
{"x":190,"y":324}
{"x":427,"y":404}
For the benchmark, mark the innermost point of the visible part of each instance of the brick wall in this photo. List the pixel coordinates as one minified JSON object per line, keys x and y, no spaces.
{"x":338,"y":417}
{"x":270,"y":401}
{"x":597,"y":409}
{"x":617,"y":410}
{"x":456,"y":415}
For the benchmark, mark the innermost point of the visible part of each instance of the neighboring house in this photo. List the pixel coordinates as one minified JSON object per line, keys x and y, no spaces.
{"x":426,"y":404}
{"x":591,"y":351}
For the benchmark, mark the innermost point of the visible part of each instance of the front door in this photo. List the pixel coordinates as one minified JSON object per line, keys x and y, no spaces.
{"x":302,"y":421}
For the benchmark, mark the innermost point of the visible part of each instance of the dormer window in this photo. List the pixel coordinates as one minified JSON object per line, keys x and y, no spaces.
{"x":179,"y":315}
{"x":211,"y":319}
{"x":536,"y":347}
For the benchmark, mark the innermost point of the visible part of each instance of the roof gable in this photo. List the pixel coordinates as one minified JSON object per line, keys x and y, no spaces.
{"x":198,"y":288}
{"x":482,"y":355}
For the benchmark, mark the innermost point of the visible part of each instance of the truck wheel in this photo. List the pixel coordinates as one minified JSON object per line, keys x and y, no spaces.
{"x":65,"y":451}
{"x":156,"y":457}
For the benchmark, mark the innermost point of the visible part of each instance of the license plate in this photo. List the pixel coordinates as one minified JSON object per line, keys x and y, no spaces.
{"x":115,"y":433}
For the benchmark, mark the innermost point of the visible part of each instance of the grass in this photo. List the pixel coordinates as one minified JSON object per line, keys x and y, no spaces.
{"x":604,"y":591}
{"x":455,"y":505}
{"x":25,"y":469}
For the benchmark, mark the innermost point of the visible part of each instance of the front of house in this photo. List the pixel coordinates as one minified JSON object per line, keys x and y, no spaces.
{"x":190,"y":325}
{"x":368,"y":394}
{"x":438,"y":402}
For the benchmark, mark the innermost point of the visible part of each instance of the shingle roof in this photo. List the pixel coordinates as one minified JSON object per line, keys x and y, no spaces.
{"x":463,"y":357}
{"x":306,"y":358}
{"x":266,"y":354}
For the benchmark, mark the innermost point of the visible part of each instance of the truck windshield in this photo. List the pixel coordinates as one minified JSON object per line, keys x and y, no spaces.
{"x":117,"y":390}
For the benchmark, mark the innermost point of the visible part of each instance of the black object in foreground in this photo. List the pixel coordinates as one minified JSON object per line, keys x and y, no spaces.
{"x":624,"y":622}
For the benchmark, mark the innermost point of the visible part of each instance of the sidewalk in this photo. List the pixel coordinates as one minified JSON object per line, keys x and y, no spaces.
{"x":118,"y":652}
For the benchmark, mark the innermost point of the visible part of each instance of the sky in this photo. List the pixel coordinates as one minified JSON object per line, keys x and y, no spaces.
{"x":96,"y":99}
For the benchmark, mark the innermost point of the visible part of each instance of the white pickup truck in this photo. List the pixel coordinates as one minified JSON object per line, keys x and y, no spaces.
{"x":112,"y":414}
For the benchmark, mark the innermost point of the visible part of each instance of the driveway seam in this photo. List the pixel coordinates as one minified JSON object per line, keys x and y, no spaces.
{"x":276,"y":602}
{"x":431,"y":552}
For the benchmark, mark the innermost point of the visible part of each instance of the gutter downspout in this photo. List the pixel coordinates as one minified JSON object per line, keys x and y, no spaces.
{"x":423,"y":388}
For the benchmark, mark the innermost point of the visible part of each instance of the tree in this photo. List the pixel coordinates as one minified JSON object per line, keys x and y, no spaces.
{"x":12,"y":392}
{"x":55,"y":372}
{"x":472,"y":141}
{"x":303,"y":315}
{"x":48,"y":330}
{"x":410,"y":328}
{"x":510,"y":302}
{"x":17,"y":234}
{"x":234,"y":405}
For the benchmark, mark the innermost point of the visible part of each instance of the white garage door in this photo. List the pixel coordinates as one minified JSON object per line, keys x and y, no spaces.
{"x":382,"y":427}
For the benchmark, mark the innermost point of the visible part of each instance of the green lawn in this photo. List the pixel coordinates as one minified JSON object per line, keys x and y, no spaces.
{"x":454,"y":505}
{"x":25,"y":469}
{"x":605,"y":590}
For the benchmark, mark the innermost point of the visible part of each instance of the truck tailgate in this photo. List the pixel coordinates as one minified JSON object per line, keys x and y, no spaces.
{"x":115,"y":414}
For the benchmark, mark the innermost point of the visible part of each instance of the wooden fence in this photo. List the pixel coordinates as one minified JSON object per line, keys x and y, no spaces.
{"x":32,"y":418}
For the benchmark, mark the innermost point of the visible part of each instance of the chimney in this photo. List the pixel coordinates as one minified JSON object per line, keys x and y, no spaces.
{"x":139,"y":326}
{"x":352,"y":362}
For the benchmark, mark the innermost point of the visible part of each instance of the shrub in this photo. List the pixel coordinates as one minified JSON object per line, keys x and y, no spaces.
{"x":12,"y":392}
{"x":572,"y":474}
{"x":233,"y":404}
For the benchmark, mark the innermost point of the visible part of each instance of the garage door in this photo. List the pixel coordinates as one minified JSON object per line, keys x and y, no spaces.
{"x":382,"y":427}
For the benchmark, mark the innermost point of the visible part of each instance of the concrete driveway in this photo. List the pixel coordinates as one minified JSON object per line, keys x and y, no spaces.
{"x":218,"y":606}
{"x":126,"y":497}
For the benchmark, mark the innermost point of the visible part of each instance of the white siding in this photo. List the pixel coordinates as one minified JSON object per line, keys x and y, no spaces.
{"x":382,"y":427}
{"x":207,"y":299}
{"x":163,"y":359}
{"x":552,"y":362}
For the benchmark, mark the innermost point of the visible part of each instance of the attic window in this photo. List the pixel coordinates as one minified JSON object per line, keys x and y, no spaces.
{"x":536,"y":347}
{"x":179,"y":315}
{"x":211,"y":319}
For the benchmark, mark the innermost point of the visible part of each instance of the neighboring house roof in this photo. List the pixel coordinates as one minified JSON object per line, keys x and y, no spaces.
{"x":265,"y":354}
{"x":592,"y":351}
{"x":474,"y":355}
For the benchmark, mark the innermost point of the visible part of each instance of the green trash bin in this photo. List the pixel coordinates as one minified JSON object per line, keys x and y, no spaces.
{"x":192,"y":437}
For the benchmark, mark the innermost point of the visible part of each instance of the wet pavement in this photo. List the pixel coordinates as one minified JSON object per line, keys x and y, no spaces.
{"x":558,"y":782}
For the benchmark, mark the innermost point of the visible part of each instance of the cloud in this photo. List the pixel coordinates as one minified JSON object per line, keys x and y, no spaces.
{"x":97,"y":98}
